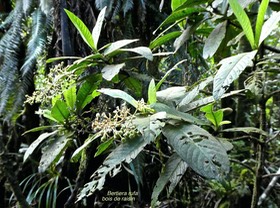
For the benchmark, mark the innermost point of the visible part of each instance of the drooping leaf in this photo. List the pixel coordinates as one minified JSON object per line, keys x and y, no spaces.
{"x":164,"y":39}
{"x":244,"y":21}
{"x":110,"y":71}
{"x":36,"y":143}
{"x":82,"y":28}
{"x":70,"y":96}
{"x":230,"y":70}
{"x":117,"y":45}
{"x":191,"y":95}
{"x":52,"y":153}
{"x":115,"y":93}
{"x":260,"y":20}
{"x":214,"y":40}
{"x":50,"y":60}
{"x":125,"y":152}
{"x":60,"y":111}
{"x":143,"y":51}
{"x":199,"y":149}
{"x":137,"y":167}
{"x":269,"y":26}
{"x":247,"y":130}
{"x":98,"y":27}
{"x":177,"y":115}
{"x":173,"y":171}
{"x":152,"y":97}
{"x":150,"y":126}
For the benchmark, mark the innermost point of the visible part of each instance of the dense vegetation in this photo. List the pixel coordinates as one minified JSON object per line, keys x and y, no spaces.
{"x":139,"y":103}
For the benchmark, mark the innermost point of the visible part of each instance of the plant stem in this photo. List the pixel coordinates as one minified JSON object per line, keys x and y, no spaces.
{"x":261,"y":146}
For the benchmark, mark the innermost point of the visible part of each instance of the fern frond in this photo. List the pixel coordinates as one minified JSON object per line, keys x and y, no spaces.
{"x":127,"y":5}
{"x":117,"y":9}
{"x":46,"y":6}
{"x":36,"y":44}
{"x":26,"y":6}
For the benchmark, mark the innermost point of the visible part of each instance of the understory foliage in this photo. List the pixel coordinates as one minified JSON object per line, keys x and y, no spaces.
{"x":178,"y":101}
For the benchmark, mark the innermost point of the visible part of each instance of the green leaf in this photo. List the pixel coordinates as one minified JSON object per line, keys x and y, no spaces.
{"x":247,"y":130}
{"x":172,"y":95}
{"x":214,"y":40}
{"x":199,"y":149}
{"x":176,"y":3}
{"x":103,"y":147}
{"x":179,"y":15}
{"x":191,"y":95}
{"x":269,"y":25}
{"x":230,"y":70}
{"x":110,"y":71}
{"x":115,"y":93}
{"x":191,"y":3}
{"x":173,"y":171}
{"x":244,"y":21}
{"x":125,"y":152}
{"x":204,"y":101}
{"x":143,"y":51}
{"x":60,"y":111}
{"x":134,"y":85}
{"x":177,"y":115}
{"x":117,"y":45}
{"x":150,"y":126}
{"x":36,"y":143}
{"x":52,"y":153}
{"x":50,"y":60}
{"x":260,"y":20}
{"x":82,"y":28}
{"x":98,"y":27}
{"x":39,"y":128}
{"x":152,"y":97}
{"x":215,"y":117}
{"x":76,"y":155}
{"x":85,"y":93}
{"x":70,"y":97}
{"x":164,"y":39}
{"x":137,"y":167}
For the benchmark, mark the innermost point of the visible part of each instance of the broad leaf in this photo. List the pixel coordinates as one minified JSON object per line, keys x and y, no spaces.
{"x":173,"y":171}
{"x":230,"y":70}
{"x":191,"y":3}
{"x":179,"y":15}
{"x":172,"y":95}
{"x":214,"y":40}
{"x":260,"y":20}
{"x":76,"y":155}
{"x":150,"y":126}
{"x":103,"y":147}
{"x":204,"y":101}
{"x":115,"y":93}
{"x":52,"y":153}
{"x":191,"y":95}
{"x":164,"y":39}
{"x":244,"y":21}
{"x":199,"y":149}
{"x":152,"y":97}
{"x":134,"y":85}
{"x":269,"y":25}
{"x":143,"y":51}
{"x":137,"y":167}
{"x":36,"y":143}
{"x":85,"y":93}
{"x":110,"y":71}
{"x":82,"y":28}
{"x":60,"y":111}
{"x":70,"y":96}
{"x":177,"y":115}
{"x":98,"y":27}
{"x":125,"y":152}
{"x":176,"y":3}
{"x":247,"y":130}
{"x":117,"y":45}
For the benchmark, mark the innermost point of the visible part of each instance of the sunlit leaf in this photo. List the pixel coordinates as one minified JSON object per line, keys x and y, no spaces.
{"x":143,"y":51}
{"x":269,"y":26}
{"x":260,"y":20}
{"x":110,"y":71}
{"x":98,"y":27}
{"x":117,"y":45}
{"x":60,"y":111}
{"x":152,"y":98}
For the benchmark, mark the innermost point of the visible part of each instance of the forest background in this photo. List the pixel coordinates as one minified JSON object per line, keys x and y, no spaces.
{"x":137,"y":103}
